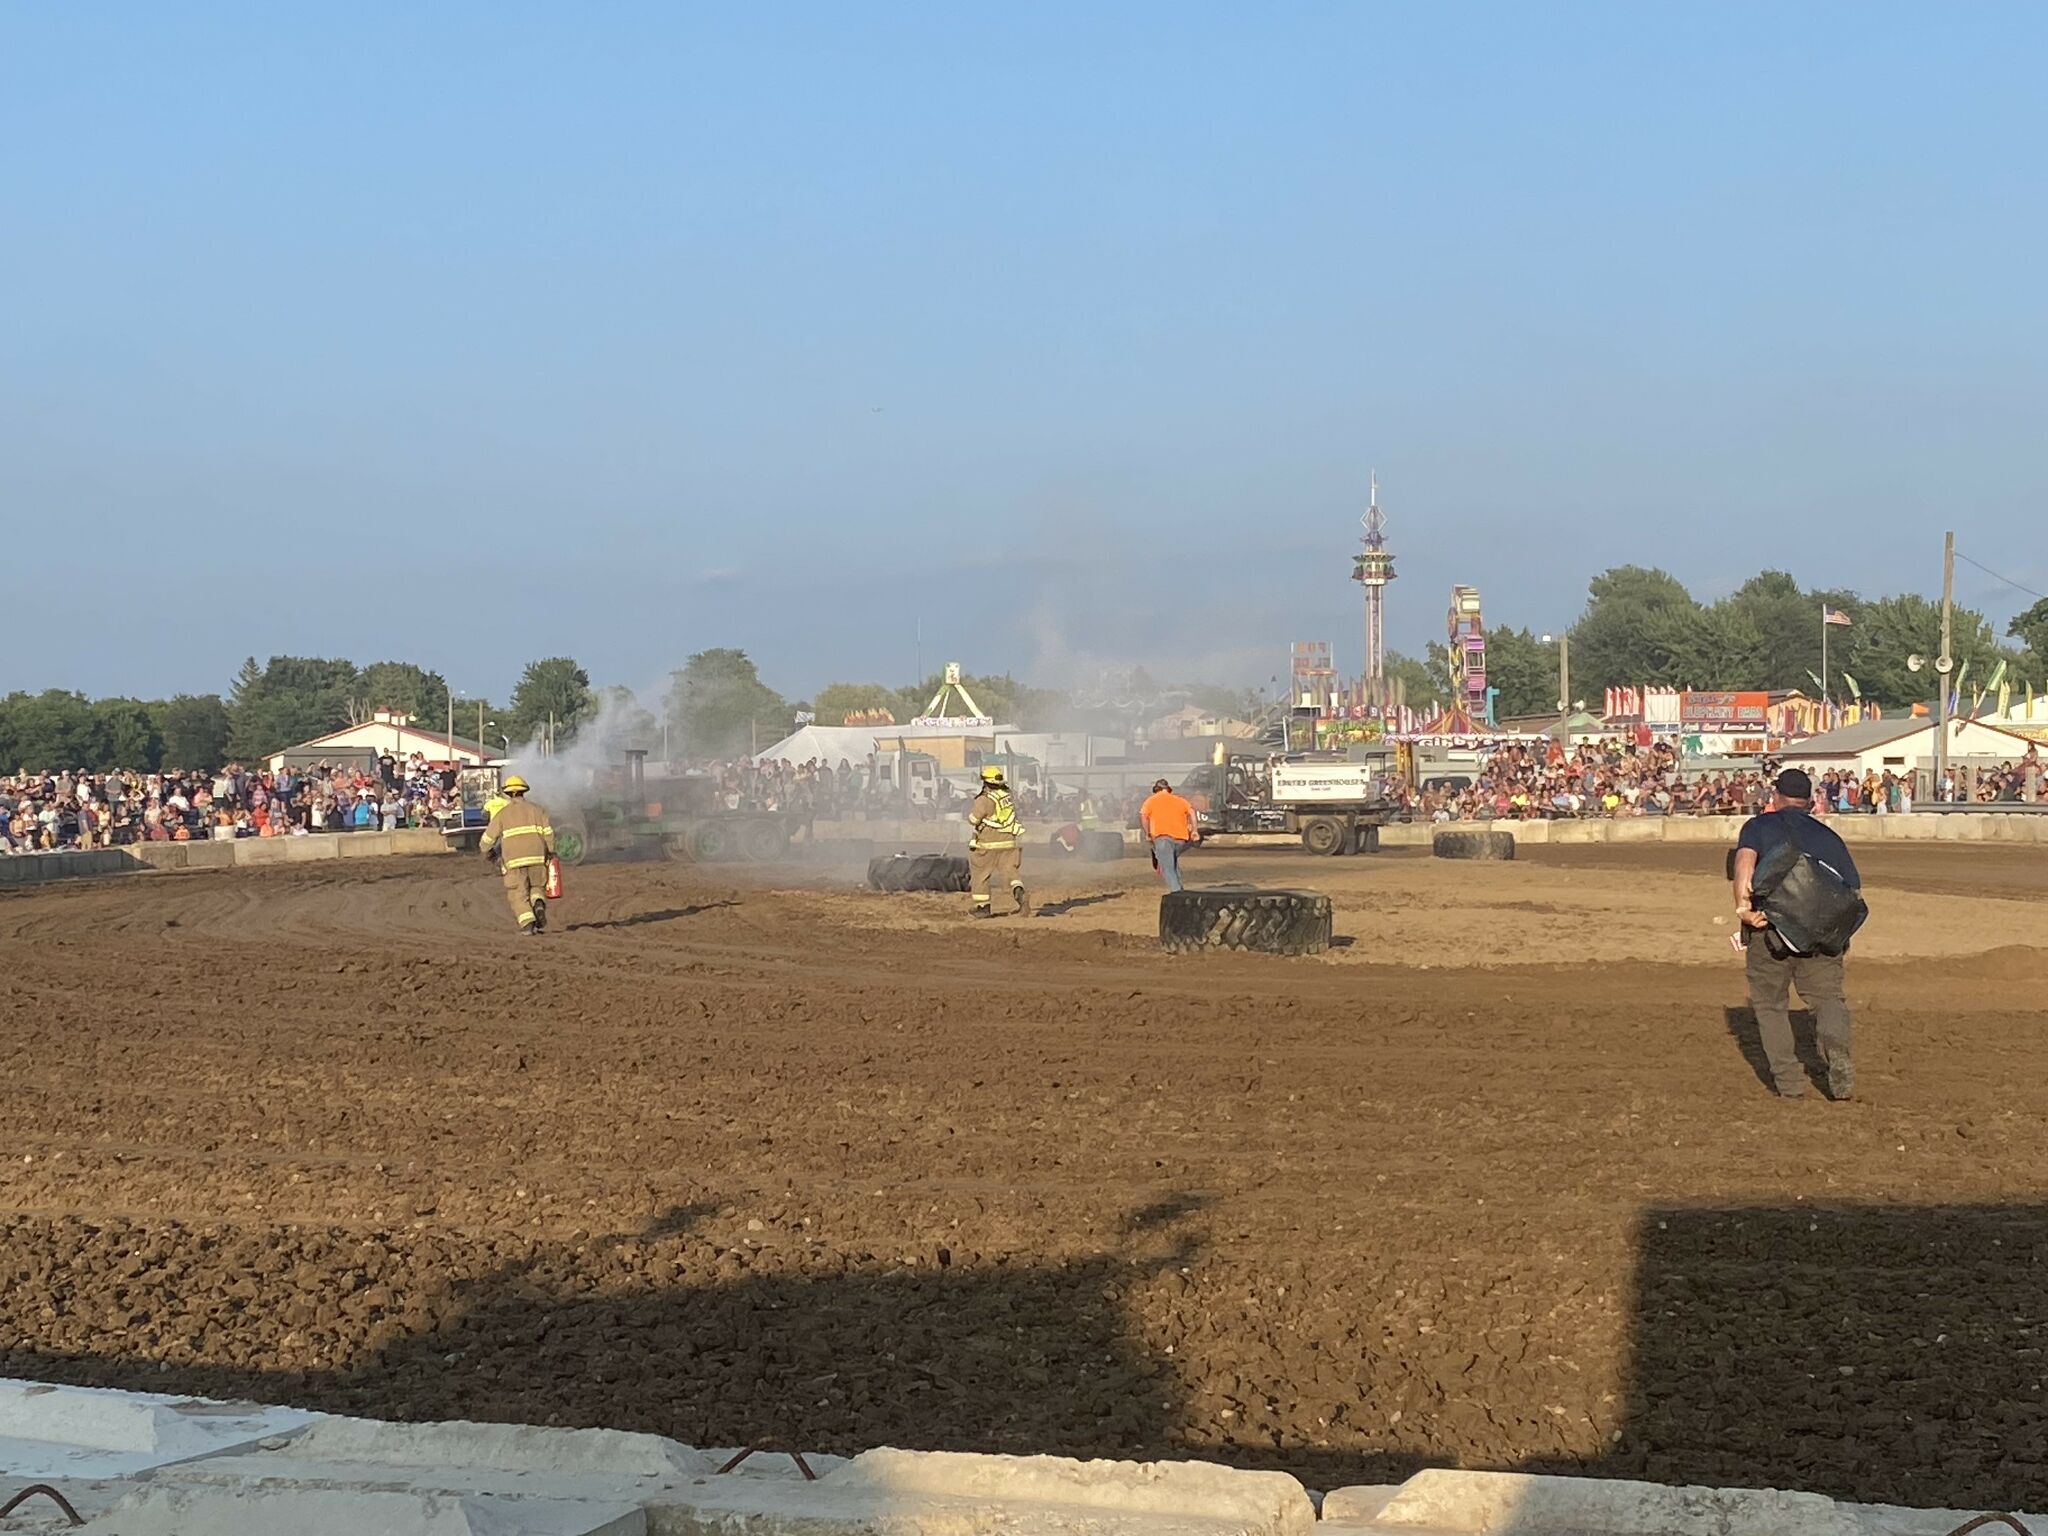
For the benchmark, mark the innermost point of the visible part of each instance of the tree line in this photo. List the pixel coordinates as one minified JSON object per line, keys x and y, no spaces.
{"x":1640,"y":627}
{"x":277,"y":704}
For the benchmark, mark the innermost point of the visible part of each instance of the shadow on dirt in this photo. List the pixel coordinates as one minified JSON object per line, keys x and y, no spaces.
{"x":641,"y":919}
{"x":1891,"y":1354}
{"x":1075,"y":904}
{"x":1742,"y":1029}
{"x":949,"y":1352}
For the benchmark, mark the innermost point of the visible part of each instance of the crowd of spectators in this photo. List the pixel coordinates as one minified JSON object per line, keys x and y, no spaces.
{"x":48,"y":812}
{"x":1618,"y":778}
{"x":817,"y":790}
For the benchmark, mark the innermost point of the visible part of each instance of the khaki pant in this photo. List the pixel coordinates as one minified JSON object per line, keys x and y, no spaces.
{"x":985,"y":866}
{"x":1819,"y":979}
{"x":523,"y":887}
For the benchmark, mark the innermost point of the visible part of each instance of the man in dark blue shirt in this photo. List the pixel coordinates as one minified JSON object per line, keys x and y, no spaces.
{"x":1772,"y":969}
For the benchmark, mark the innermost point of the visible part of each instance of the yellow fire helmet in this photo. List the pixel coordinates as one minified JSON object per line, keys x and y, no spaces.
{"x":991,"y":775}
{"x":515,"y":785}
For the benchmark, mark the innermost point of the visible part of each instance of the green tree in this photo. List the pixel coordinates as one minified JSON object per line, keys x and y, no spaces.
{"x":553,"y":689}
{"x":400,"y":685}
{"x":288,"y":700}
{"x":2031,"y":630}
{"x":1630,"y":630}
{"x":836,"y":701}
{"x":1423,"y":684}
{"x":719,"y":707}
{"x":1890,"y":629}
{"x":1523,"y":670}
{"x":194,"y":731}
{"x":48,"y":732}
{"x":128,"y":735}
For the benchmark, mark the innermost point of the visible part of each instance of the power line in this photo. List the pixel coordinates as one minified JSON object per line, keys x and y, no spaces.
{"x":2016,"y":586}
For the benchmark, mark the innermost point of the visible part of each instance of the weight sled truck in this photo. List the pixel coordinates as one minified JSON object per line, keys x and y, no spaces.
{"x":1334,"y":803}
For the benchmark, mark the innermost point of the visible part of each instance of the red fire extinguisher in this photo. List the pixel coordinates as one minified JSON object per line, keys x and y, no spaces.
{"x":554,"y":887}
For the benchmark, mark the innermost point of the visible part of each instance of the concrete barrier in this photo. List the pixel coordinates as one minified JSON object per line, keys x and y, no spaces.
{"x":364,"y":845}
{"x":142,"y":1465}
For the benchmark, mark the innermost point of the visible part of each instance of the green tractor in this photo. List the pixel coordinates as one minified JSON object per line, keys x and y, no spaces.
{"x":679,"y":817}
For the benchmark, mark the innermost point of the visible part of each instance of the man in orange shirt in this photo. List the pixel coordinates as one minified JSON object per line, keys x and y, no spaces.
{"x":1170,"y":827}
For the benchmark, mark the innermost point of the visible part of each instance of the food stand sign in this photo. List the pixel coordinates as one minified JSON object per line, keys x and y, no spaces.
{"x":1723,"y":711}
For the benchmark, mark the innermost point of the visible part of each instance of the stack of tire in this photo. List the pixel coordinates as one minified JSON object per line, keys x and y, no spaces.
{"x":1268,"y":922}
{"x":918,"y":872}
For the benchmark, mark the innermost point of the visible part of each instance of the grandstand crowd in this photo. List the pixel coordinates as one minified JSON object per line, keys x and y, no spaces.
{"x":49,"y":812}
{"x":1619,"y":778}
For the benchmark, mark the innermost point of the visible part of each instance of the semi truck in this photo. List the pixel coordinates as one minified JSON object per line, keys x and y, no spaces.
{"x":1334,"y":802}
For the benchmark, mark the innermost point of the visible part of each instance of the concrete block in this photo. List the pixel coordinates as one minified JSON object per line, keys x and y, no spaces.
{"x":1591,"y":830}
{"x":161,"y":855}
{"x":1157,"y":1495}
{"x":1919,"y":829}
{"x":505,"y":1447}
{"x":298,"y":850}
{"x":172,"y":1510}
{"x":1513,"y":1504}
{"x":363,"y":845}
{"x":1530,"y":832}
{"x":16,"y":869}
{"x":87,"y":1432}
{"x":1696,"y":829}
{"x":261,"y":850}
{"x":1636,"y":829}
{"x":205,"y":855}
{"x":418,"y":840}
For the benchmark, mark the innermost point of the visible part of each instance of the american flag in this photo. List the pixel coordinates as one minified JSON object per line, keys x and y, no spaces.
{"x":1834,"y":616}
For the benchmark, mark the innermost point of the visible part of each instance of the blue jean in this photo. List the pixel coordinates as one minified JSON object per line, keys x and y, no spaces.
{"x":1167,"y":851}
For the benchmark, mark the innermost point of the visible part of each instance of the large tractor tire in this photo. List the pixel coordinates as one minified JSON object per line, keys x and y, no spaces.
{"x":918,"y":872}
{"x":711,"y":842}
{"x":1268,"y":922}
{"x":1473,"y":845}
{"x":1100,"y":846}
{"x":763,"y":842}
{"x":572,"y":837}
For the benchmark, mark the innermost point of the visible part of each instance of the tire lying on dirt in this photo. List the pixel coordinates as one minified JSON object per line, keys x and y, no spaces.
{"x":918,"y":872}
{"x":1101,"y":847}
{"x":1473,"y":845}
{"x":1268,"y":922}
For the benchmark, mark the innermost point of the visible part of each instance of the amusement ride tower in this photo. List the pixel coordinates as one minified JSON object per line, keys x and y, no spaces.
{"x":1373,"y":568}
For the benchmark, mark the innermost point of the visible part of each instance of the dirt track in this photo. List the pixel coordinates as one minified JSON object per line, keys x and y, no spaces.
{"x":813,"y":1167}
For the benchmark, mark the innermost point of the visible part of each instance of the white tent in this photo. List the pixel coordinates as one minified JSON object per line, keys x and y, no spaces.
{"x":831,"y":743}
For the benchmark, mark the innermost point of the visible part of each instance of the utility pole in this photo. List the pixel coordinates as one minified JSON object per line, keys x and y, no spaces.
{"x":1945,"y":663}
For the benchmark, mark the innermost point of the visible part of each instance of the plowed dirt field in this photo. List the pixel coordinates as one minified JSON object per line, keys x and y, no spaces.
{"x":1495,"y":1183}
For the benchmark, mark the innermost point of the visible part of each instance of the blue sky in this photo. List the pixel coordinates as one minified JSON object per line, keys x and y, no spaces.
{"x":468,"y":334}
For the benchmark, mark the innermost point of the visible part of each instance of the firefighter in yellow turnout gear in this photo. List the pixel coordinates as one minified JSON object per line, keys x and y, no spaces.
{"x":520,"y":838}
{"x":996,"y":849}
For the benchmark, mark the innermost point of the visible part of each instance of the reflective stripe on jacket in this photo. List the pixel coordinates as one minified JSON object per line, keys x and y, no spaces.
{"x":994,"y":819}
{"x":523,"y":831}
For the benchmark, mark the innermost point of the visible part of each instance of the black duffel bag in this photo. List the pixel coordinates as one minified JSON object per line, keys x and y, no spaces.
{"x":1812,"y":908}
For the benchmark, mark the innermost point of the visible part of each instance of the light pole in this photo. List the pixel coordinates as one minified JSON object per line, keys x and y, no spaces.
{"x":452,"y":697}
{"x":1945,"y":663}
{"x":1564,"y":689}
